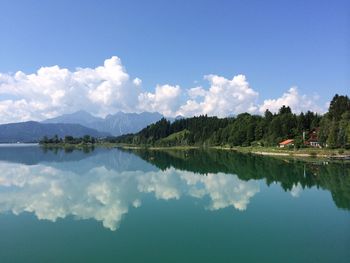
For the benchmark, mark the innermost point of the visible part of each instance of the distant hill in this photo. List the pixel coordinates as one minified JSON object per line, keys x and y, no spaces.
{"x":116,"y":124}
{"x":80,"y":117}
{"x":32,"y":131}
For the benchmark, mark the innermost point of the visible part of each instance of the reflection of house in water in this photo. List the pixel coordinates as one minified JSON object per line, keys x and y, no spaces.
{"x":312,"y":138}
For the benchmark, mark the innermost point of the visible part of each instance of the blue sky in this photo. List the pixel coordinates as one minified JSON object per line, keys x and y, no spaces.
{"x":275,"y":44}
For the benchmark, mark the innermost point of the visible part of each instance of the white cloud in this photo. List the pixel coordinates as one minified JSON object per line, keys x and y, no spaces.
{"x":137,"y":81}
{"x":164,"y":100}
{"x":52,"y":91}
{"x":294,"y":100}
{"x":224,"y":97}
{"x":196,"y":92}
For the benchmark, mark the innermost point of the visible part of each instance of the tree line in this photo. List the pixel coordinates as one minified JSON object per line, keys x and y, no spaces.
{"x":245,"y":129}
{"x":86,"y":139}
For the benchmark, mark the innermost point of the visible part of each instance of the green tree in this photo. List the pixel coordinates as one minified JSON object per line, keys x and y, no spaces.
{"x":338,"y":106}
{"x":332,"y":140}
{"x":56,"y":139}
{"x":86,"y":139}
{"x":68,"y":139}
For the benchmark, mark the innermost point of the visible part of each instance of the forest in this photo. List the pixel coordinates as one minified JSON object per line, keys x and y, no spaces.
{"x":332,"y":128}
{"x":86,"y":139}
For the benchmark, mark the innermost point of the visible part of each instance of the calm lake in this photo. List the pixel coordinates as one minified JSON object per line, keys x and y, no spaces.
{"x":110,"y":205}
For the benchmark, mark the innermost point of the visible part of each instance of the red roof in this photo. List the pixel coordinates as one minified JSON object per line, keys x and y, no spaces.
{"x":286,"y":142}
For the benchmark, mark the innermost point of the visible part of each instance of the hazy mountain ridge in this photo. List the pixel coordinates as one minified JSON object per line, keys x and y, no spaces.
{"x":32,"y":131}
{"x":80,"y":117}
{"x":115,"y":124}
{"x":78,"y":124}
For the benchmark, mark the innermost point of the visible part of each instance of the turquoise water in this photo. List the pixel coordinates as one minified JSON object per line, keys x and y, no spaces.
{"x":108,"y":205}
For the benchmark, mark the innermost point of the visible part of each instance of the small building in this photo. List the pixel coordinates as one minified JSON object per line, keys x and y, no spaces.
{"x":314,"y":143}
{"x":286,"y":143}
{"x":313,"y":139}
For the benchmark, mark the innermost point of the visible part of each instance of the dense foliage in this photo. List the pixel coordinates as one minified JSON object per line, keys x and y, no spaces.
{"x":86,"y":139}
{"x":246,"y":129}
{"x":190,"y":131}
{"x":335,"y":124}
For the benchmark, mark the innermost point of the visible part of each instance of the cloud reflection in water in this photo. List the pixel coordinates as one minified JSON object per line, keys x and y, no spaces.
{"x":107,"y":194}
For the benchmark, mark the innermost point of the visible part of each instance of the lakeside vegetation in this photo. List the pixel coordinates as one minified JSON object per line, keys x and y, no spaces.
{"x":244,"y":133}
{"x":69,"y":143}
{"x":87,"y":139}
{"x":292,"y":152}
{"x":333,"y":129}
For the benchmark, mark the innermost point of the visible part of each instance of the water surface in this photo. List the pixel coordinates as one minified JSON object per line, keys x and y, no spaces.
{"x":109,"y":205}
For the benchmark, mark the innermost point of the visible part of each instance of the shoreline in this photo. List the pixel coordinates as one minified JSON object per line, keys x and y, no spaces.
{"x":301,"y":153}
{"x":329,"y":154}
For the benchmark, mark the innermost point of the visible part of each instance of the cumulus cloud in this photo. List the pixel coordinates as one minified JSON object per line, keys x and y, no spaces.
{"x":107,"y":89}
{"x":53,"y":90}
{"x":298,"y":103}
{"x":196,"y":92}
{"x":164,"y":100}
{"x":224,"y":97}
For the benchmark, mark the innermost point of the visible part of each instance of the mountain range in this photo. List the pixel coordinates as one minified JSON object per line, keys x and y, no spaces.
{"x":78,"y":124}
{"x":32,"y":131}
{"x":116,"y":124}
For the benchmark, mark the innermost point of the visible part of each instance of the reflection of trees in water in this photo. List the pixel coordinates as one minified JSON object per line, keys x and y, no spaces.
{"x":68,"y":148}
{"x":334,"y":177}
{"x":104,"y":186}
{"x":34,"y":154}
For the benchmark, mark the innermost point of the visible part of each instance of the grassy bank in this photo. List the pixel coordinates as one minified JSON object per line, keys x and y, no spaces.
{"x":271,"y":151}
{"x":148,"y":147}
{"x":303,"y":152}
{"x":324,"y":153}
